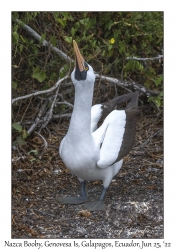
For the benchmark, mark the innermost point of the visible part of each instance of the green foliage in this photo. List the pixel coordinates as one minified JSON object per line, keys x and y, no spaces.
{"x":39,"y":74}
{"x":20,"y":139}
{"x":64,"y":71}
{"x":33,"y":151}
{"x":158,"y":80}
{"x":14,"y":85}
{"x":106,"y":39}
{"x":17,"y":126}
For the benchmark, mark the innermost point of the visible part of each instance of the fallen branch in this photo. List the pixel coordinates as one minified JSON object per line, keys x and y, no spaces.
{"x":136,"y":86}
{"x":45,"y":142}
{"x":62,"y":116}
{"x":22,"y":157}
{"x":38,"y":119}
{"x":53,"y":146}
{"x":44,"y":43}
{"x":144,"y":59}
{"x":42,"y":91}
{"x":50,"y":112}
{"x":66,"y":103}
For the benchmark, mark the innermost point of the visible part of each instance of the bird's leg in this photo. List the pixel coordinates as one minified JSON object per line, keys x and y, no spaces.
{"x":97,"y":205}
{"x":76,"y":200}
{"x":83,"y":189}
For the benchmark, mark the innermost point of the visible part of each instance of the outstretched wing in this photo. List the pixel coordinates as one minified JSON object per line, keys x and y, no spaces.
{"x":99,"y":111}
{"x":117,"y":134}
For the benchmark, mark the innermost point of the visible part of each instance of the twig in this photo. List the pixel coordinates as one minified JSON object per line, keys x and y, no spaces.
{"x":23,"y":150}
{"x":66,"y":103}
{"x":151,"y":137}
{"x":50,"y":112}
{"x":127,"y":84}
{"x":45,"y":142}
{"x":26,"y":110}
{"x":38,"y":119}
{"x":53,"y":146}
{"x":41,"y":92}
{"x":142,"y":89}
{"x":44,"y":43}
{"x":144,"y":59}
{"x":62,"y":116}
{"x":22,"y":157}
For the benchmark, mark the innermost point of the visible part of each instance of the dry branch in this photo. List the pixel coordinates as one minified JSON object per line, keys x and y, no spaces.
{"x":45,"y":142}
{"x":66,"y":103}
{"x":136,"y":86}
{"x":41,"y":92}
{"x":62,"y":116}
{"x":50,"y":112}
{"x":38,"y":119}
{"x":145,"y":59}
{"x":44,"y":43}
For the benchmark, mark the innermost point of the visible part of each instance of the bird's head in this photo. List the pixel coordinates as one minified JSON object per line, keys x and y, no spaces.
{"x":83,"y":72}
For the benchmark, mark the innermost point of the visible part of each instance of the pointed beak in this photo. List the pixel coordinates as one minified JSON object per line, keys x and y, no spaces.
{"x":78,"y":57}
{"x":80,"y":72}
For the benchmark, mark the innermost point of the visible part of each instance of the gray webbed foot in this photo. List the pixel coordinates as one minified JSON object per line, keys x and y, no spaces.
{"x":95,"y":206}
{"x":73,"y":200}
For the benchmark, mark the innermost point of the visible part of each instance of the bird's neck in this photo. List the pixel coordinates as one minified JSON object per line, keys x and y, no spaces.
{"x":81,"y":116}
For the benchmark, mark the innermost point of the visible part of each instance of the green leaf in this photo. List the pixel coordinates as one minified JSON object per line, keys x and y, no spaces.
{"x":53,"y":40}
{"x":20,"y":141}
{"x":62,"y":22}
{"x":109,"y":46}
{"x":15,"y":16}
{"x":73,"y":31}
{"x":14,"y":85}
{"x":15,"y":35}
{"x":161,"y":93}
{"x":159,"y":80}
{"x":24,"y":134}
{"x":39,"y":75}
{"x":32,"y":159}
{"x":22,"y":38}
{"x":110,"y":52}
{"x":68,"y":39}
{"x":17,"y":126}
{"x":158,"y":102}
{"x":33,"y":151}
{"x":65,"y":14}
{"x":64,"y":71}
{"x":21,"y":47}
{"x":43,"y":36}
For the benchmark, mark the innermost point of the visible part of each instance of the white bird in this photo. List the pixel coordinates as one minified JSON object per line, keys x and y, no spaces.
{"x":93,"y":153}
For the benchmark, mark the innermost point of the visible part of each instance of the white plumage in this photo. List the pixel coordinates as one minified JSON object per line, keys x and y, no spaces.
{"x":89,"y":152}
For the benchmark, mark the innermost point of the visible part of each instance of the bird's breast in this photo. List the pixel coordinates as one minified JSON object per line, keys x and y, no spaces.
{"x":79,"y":156}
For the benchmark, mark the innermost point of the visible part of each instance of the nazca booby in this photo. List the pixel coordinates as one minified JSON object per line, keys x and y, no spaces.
{"x":93,"y":153}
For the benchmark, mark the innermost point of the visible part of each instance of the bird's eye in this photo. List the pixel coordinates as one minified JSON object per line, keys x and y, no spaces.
{"x":86,"y":67}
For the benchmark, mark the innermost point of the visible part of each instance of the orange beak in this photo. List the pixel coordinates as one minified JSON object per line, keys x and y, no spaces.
{"x":78,"y":57}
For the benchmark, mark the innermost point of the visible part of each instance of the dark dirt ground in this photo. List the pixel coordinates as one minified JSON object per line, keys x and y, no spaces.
{"x":134,"y":199}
